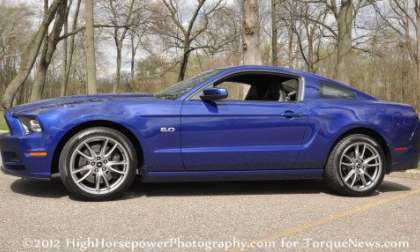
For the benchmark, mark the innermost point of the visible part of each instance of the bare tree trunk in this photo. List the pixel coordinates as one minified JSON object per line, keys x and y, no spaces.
{"x":65,"y":52}
{"x":42,"y":69}
{"x":119,"y":39}
{"x":189,"y":35}
{"x":274,"y":33}
{"x":184,"y":61}
{"x":344,"y":40}
{"x":117,"y":83}
{"x":29,"y":56}
{"x":417,"y":87}
{"x":65,"y":58}
{"x":90,"y":48}
{"x":50,"y":45}
{"x":39,"y":81}
{"x":290,"y":45}
{"x":63,"y":91}
{"x":22,"y":92}
{"x":133,"y":58}
{"x":40,"y":75}
{"x":311,"y":60}
{"x":251,"y":33}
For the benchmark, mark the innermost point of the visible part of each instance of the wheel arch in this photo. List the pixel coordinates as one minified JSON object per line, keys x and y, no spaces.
{"x":368,"y":132}
{"x":96,"y":123}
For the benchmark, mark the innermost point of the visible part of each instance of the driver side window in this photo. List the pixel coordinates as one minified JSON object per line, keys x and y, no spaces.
{"x":236,"y":91}
{"x":259,"y":87}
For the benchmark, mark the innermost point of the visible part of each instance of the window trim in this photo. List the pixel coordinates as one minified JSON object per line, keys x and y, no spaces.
{"x":301,"y":84}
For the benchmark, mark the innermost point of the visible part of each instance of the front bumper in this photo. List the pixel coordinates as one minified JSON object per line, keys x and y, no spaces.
{"x":16,"y":158}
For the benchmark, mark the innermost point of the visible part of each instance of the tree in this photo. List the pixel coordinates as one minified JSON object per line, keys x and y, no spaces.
{"x":122,"y":18}
{"x":70,"y":51}
{"x":49,"y":46}
{"x":305,"y":24}
{"x":403,"y":18}
{"x":417,"y":58}
{"x":90,"y":48}
{"x":344,"y":16}
{"x":15,"y":25}
{"x":251,"y":51}
{"x":135,"y":42}
{"x":184,"y":33}
{"x":417,"y":11}
{"x":274,"y":33}
{"x":29,"y":56}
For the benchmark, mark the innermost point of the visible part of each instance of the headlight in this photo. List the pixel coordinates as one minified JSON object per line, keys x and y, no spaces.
{"x":30,"y":125}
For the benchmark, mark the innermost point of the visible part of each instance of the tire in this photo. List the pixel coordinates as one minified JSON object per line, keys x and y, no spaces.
{"x":97,"y":164}
{"x":354,"y":172}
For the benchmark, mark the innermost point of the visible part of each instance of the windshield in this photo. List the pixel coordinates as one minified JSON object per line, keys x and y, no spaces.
{"x":180,"y":88}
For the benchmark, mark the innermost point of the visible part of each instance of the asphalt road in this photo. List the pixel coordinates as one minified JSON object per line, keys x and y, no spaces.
{"x":299,"y":215}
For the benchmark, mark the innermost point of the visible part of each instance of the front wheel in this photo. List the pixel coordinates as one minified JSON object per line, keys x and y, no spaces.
{"x":355,"y":166}
{"x":98,"y":164}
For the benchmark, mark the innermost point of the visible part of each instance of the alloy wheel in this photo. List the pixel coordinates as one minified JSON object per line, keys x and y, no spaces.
{"x":99,"y":165}
{"x":360,"y":166}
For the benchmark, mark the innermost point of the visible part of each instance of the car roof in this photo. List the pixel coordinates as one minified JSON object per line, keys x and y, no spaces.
{"x":285,"y":70}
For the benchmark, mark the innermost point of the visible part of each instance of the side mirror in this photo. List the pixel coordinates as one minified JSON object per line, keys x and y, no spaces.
{"x":211,"y":94}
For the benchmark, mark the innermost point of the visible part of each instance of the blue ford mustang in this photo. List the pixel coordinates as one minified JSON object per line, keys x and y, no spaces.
{"x":236,"y":123}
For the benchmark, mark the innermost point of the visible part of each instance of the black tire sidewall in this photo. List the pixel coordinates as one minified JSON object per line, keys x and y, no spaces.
{"x":65,"y":155}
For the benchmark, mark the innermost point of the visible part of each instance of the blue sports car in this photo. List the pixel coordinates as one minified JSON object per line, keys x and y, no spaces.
{"x":235,"y":123}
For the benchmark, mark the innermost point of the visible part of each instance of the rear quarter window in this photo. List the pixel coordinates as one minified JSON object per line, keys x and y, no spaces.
{"x":328,"y":90}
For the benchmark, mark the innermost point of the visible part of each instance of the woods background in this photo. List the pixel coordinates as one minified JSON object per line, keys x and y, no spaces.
{"x":54,"y":48}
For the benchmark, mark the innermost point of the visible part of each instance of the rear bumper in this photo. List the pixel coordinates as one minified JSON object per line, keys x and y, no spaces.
{"x":408,"y":159}
{"x":17,"y":160}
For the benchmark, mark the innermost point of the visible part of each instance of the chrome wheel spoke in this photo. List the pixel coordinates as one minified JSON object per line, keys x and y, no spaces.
{"x":347,"y":164}
{"x":350,"y":174}
{"x":370,"y":177}
{"x":356,"y":151}
{"x":116,"y":171}
{"x":91,"y":151}
{"x":363,"y":151}
{"x":367,"y":160}
{"x":116,"y":163}
{"x":103,"y":148}
{"x":83,"y":168}
{"x":98,"y":181}
{"x":84,"y":155}
{"x":85,"y":176}
{"x":363,"y":179}
{"x":106,"y":180}
{"x":111,"y":150}
{"x":354,"y":180}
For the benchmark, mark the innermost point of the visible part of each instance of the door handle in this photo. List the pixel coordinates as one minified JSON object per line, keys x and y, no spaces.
{"x":289,"y":114}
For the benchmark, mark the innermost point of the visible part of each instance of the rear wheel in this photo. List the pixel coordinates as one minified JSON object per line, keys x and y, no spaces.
{"x":98,"y":164}
{"x":355,"y":166}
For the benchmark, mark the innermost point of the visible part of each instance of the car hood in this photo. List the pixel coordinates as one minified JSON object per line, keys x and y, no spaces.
{"x":70,"y":101}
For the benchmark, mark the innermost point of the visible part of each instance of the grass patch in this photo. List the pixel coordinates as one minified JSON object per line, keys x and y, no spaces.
{"x":3,"y":125}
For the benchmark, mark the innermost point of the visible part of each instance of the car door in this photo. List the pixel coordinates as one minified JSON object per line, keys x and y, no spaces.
{"x":241,"y":135}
